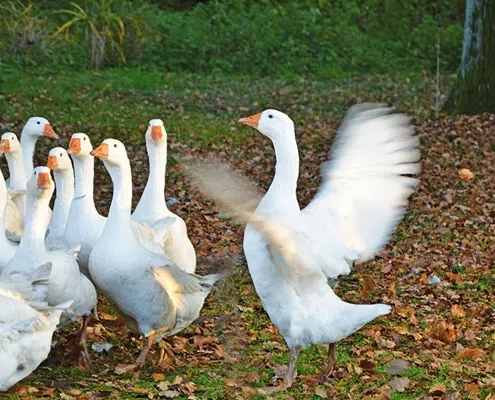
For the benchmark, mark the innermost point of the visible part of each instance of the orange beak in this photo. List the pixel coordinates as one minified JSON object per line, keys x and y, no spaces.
{"x":156,"y":133}
{"x":49,"y":132}
{"x":252,"y":120}
{"x":74,"y":146}
{"x":101,"y":151}
{"x":44,"y":180}
{"x":52,"y":162}
{"x":5,"y":146}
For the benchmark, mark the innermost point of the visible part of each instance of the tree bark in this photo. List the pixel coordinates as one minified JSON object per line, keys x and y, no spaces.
{"x":474,"y":91}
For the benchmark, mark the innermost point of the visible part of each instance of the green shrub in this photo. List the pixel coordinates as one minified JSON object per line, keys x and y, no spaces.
{"x":108,"y":27}
{"x":327,"y":38}
{"x":22,"y":27}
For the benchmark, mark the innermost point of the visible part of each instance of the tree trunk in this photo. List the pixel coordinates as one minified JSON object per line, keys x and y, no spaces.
{"x":474,"y":91}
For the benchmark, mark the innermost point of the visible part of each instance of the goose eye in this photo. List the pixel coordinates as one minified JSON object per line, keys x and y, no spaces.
{"x":84,"y":138}
{"x":38,"y":122}
{"x":115,"y":145}
{"x":61,"y":154}
{"x":270,"y":116}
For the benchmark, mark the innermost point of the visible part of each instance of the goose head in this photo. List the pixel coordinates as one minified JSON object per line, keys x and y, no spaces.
{"x":111,"y":152}
{"x":39,"y":126}
{"x":40,"y":185}
{"x":58,"y":159}
{"x":80,"y":145}
{"x":10,"y":143}
{"x":272,"y":123}
{"x":156,"y":133}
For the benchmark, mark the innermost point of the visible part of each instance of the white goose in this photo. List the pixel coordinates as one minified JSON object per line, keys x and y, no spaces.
{"x":34,"y":128}
{"x":16,"y":206}
{"x":84,"y":223}
{"x":7,"y":248}
{"x":59,"y":162}
{"x":152,"y":208}
{"x":26,"y":326}
{"x":291,"y":253}
{"x":66,"y":281}
{"x":155,"y":297}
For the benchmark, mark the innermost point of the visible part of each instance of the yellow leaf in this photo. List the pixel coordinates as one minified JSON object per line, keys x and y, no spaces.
{"x":465,"y":174}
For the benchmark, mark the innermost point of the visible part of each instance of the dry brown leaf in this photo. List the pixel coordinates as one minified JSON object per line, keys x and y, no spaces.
{"x":158,"y":377}
{"x":465,"y":174}
{"x":473,"y":353}
{"x":170,"y":393}
{"x":47,"y":391}
{"x":322,"y":392}
{"x":200,"y":341}
{"x":438,"y":390}
{"x":220,"y":350}
{"x":230,"y":382}
{"x":442,"y":331}
{"x":472,"y":388}
{"x":402,"y":330}
{"x":399,"y":384}
{"x":367,"y":365}
{"x":457,"y":311}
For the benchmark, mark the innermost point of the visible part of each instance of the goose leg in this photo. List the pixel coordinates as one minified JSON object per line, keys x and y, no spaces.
{"x":332,"y":360}
{"x":289,"y":375}
{"x":83,"y":356}
{"x":148,"y":342}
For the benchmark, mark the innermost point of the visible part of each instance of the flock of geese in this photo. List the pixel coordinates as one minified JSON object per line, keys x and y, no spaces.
{"x":53,"y":262}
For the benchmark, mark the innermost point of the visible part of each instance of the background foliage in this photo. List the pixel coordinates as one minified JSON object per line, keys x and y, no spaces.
{"x":325,"y":38}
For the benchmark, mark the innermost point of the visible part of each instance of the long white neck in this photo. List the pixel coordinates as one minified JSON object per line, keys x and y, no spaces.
{"x":84,"y":170}
{"x":28,"y":144}
{"x":3,"y":205}
{"x":33,"y":239}
{"x":119,"y":215}
{"x":15,"y":162}
{"x":154,"y":192}
{"x":64,"y":183}
{"x":283,"y":187}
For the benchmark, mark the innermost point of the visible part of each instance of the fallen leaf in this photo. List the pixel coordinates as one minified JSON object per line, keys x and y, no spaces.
{"x":163,"y":386}
{"x":399,"y":384}
{"x":438,"y":389}
{"x":169,"y":393}
{"x":319,"y":391}
{"x":158,"y":377}
{"x":190,"y":386}
{"x":465,"y":174}
{"x":220,"y":350}
{"x":472,"y":388}
{"x":123,"y":368}
{"x":471,"y":352}
{"x":200,"y":341}
{"x":397,"y":366}
{"x":367,"y":365}
{"x":442,"y":331}
{"x":457,"y":311}
{"x":230,"y":382}
{"x":47,"y":392}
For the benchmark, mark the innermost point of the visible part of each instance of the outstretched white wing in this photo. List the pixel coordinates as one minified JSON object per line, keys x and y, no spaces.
{"x":365,"y":184}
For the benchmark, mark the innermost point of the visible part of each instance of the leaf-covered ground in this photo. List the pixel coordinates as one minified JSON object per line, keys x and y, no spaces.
{"x":438,"y":272}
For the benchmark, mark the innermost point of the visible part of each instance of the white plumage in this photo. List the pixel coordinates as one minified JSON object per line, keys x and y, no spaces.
{"x":291,"y":253}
